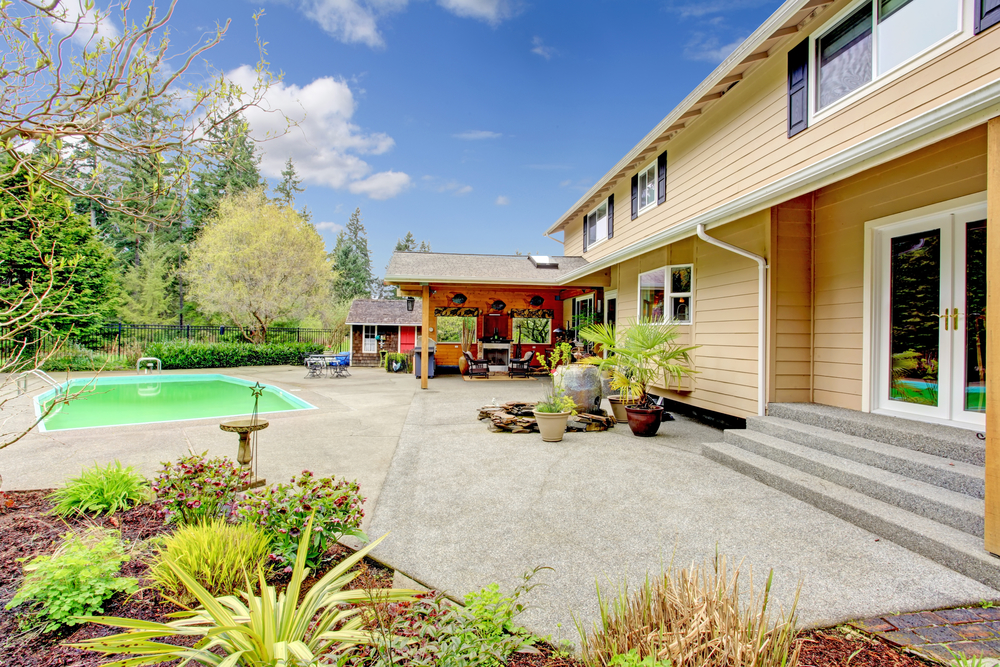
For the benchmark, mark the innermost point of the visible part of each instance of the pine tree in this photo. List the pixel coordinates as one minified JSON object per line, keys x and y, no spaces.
{"x":149,"y":293}
{"x":424,"y":246}
{"x":406,"y":244}
{"x":235,"y":170}
{"x":289,"y":185}
{"x":352,"y":261}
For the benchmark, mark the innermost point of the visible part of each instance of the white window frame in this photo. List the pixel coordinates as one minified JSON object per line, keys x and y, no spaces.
{"x":816,"y":115}
{"x":365,"y":338}
{"x":649,"y":168}
{"x":597,"y":225}
{"x":668,"y":295}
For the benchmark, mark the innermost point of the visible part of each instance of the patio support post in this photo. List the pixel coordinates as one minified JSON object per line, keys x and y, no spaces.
{"x":992,"y":339}
{"x":425,"y":307}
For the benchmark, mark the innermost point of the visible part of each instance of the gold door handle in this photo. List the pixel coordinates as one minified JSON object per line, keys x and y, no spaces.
{"x":945,"y":318}
{"x":954,"y":322}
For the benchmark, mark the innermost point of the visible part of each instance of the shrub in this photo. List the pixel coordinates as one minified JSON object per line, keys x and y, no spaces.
{"x":220,"y":556}
{"x":75,"y":357}
{"x":185,"y":354}
{"x":98,"y":489}
{"x":692,"y":618}
{"x":398,"y":362}
{"x":284,"y":509}
{"x":632,"y":659}
{"x":435,"y":632}
{"x":76,"y":579}
{"x":195,"y":487}
{"x":270,"y":629}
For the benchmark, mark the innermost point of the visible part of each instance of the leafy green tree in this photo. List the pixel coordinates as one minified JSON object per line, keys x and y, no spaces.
{"x":352,"y":262}
{"x":257,"y":262}
{"x":232,"y":167}
{"x":148,"y":285}
{"x":54,"y":271}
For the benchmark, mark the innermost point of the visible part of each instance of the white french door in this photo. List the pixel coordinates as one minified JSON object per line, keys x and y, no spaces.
{"x":930,"y":317}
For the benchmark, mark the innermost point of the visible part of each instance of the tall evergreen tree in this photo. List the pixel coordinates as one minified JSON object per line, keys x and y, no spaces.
{"x":235,"y":168}
{"x":406,"y":244}
{"x":149,"y":285}
{"x":288,"y":186}
{"x":352,"y":261}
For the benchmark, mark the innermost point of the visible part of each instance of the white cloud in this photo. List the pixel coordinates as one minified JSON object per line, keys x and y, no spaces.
{"x":86,"y":25}
{"x":706,"y":47}
{"x":383,"y":185}
{"x":453,"y":187}
{"x":502,"y":201}
{"x":333,"y":227}
{"x":476,"y":135}
{"x":325,"y":145}
{"x":491,"y":11}
{"x":539,"y":48}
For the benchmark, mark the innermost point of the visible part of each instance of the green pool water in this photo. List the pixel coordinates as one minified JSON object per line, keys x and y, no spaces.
{"x":146,"y":399}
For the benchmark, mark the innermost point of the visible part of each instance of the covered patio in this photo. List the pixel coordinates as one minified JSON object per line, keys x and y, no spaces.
{"x":518,"y":302}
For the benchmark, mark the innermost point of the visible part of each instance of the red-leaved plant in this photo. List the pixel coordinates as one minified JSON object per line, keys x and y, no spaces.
{"x":195,"y":487}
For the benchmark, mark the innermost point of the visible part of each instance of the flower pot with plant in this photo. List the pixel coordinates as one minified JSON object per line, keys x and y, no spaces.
{"x":637,"y":358}
{"x":552,"y":413}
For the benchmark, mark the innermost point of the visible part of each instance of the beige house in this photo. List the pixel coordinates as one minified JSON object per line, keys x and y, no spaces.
{"x":814,"y":217}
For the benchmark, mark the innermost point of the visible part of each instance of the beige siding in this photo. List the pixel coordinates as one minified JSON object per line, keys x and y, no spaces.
{"x":725,"y":313}
{"x":791,"y":301}
{"x":740,"y":143}
{"x":952,"y":168}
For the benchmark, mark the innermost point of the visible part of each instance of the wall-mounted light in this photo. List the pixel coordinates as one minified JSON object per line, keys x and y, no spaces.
{"x":409,"y":304}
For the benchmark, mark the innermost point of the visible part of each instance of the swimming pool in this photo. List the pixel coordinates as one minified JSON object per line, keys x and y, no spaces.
{"x":149,"y":399}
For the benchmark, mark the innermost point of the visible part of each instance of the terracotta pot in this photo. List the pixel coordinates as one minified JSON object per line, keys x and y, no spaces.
{"x":618,"y":406}
{"x":463,"y":365}
{"x":582,"y":382}
{"x":552,"y":425}
{"x":644,"y":422}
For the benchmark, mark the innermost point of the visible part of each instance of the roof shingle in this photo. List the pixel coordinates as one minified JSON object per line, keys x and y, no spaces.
{"x":454,"y":267}
{"x":383,"y":311}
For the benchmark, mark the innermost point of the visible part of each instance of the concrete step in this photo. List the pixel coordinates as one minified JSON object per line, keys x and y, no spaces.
{"x":948,"y":507}
{"x":953,"y":475}
{"x":955,"y":549}
{"x":944,"y":441}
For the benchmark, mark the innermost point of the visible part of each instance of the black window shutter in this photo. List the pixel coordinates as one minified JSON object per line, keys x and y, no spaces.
{"x":798,"y":88}
{"x":635,"y":196}
{"x":585,"y":233}
{"x":987,"y":14}
{"x":661,"y":178}
{"x":611,"y":215}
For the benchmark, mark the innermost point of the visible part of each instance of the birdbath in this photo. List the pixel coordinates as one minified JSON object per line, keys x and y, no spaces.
{"x":244,"y":427}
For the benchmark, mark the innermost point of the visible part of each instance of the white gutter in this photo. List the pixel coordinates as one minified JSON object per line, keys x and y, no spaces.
{"x":761,"y":313}
{"x":965,"y":112}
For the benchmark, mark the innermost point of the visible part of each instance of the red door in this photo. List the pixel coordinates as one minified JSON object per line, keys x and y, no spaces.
{"x":407,"y":338}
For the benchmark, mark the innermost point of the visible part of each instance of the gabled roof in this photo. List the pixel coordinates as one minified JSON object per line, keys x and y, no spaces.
{"x":439,"y":267}
{"x":383,"y":311}
{"x":779,"y":28}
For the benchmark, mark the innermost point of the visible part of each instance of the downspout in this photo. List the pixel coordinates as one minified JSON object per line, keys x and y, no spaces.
{"x":761,"y":313}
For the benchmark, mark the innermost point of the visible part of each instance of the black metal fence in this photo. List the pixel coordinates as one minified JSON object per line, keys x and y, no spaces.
{"x":118,"y":338}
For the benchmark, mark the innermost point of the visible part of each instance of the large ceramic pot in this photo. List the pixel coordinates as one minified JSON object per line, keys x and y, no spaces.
{"x":582,"y":382}
{"x":551,"y":425}
{"x":644,"y":422}
{"x":463,"y":365}
{"x":618,"y":406}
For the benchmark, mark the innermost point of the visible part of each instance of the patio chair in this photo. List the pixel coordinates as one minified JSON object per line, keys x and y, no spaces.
{"x":338,"y":367}
{"x":477,"y":367}
{"x":519,"y":367}
{"x":316,"y":367}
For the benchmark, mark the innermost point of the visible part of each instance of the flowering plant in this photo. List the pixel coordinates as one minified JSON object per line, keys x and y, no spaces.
{"x":284,"y":509}
{"x":195,"y":487}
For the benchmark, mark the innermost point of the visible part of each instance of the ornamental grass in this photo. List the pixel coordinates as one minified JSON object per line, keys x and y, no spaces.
{"x":694,"y":617}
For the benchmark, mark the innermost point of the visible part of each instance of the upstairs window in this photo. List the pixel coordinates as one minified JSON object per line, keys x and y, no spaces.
{"x":647,"y":186}
{"x":596,"y":224}
{"x":875,"y":37}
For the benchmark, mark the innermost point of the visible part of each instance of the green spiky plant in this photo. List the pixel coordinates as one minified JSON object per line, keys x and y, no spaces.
{"x":271,"y":628}
{"x":107,"y":489}
{"x":639,"y":356}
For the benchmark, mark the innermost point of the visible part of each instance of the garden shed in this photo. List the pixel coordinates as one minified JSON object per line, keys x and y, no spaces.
{"x":381,"y":325}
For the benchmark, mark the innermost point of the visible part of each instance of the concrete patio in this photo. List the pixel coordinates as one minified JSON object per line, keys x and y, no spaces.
{"x":467,"y":507}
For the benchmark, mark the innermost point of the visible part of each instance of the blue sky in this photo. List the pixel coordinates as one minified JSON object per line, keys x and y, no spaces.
{"x":472,"y":123}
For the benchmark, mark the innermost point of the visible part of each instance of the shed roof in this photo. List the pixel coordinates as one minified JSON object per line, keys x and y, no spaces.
{"x":454,"y":268}
{"x":383,"y":311}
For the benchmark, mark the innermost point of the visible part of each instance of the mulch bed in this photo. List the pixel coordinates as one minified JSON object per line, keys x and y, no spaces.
{"x":28,"y":529}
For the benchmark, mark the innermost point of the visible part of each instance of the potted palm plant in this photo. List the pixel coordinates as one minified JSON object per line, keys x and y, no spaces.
{"x":644,"y":353}
{"x":604,"y":338}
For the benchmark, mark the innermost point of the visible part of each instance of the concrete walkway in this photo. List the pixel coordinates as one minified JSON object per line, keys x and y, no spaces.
{"x":352,"y":434}
{"x":467,"y":507}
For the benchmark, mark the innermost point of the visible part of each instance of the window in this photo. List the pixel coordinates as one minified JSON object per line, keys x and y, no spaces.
{"x":450,"y":329}
{"x":874,"y":38}
{"x":665,"y":295}
{"x":596,"y":224}
{"x":370,"y":343}
{"x":528,"y":330}
{"x":647,"y":186}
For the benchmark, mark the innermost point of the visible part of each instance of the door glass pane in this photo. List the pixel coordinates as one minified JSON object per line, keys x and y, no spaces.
{"x":975,"y":316}
{"x":915,"y":305}
{"x":845,"y":57}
